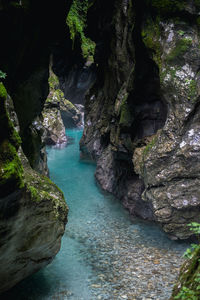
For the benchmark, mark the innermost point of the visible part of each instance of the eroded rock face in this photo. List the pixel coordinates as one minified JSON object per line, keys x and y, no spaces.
{"x":169,"y":165}
{"x":142,"y":113}
{"x":58,"y":114}
{"x":55,"y":130}
{"x":76,"y":82}
{"x":118,"y":112}
{"x":28,"y":39}
{"x":72,"y":115}
{"x":54,"y":133}
{"x":33,"y":212}
{"x":32,"y":222}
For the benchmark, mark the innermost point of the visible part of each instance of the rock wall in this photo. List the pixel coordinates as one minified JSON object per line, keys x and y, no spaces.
{"x":141,"y":123}
{"x":33,"y":212}
{"x":58,"y":114}
{"x":169,"y":165}
{"x":28,"y":39}
{"x":76,"y":74}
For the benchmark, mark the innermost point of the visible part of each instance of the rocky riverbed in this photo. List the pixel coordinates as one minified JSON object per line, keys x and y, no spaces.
{"x":132,"y":261}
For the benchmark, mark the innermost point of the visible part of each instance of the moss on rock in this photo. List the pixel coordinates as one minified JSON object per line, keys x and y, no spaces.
{"x":149,"y":146}
{"x":41,"y":188}
{"x":53,"y":81}
{"x":167,"y":6}
{"x":188,"y":286}
{"x":151,"y":39}
{"x":76,"y":20}
{"x":3,"y":92}
{"x":11,"y":170}
{"x":179,"y":50}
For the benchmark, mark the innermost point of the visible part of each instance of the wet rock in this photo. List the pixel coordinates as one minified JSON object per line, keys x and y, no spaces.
{"x":72,"y":115}
{"x":59,"y":113}
{"x":54,"y":128}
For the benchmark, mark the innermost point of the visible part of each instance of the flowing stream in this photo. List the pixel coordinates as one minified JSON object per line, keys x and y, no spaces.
{"x":105,"y":253}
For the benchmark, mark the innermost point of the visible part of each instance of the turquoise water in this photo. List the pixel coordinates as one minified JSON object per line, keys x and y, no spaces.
{"x":105,"y":254}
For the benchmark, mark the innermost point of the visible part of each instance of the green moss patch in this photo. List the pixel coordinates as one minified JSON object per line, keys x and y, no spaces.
{"x":151,"y":36}
{"x":42,"y":189}
{"x":181,"y":47}
{"x":192,"y":90}
{"x":11,"y":170}
{"x":76,"y":20}
{"x":3,"y":92}
{"x":57,"y":95}
{"x":149,"y":146}
{"x":53,"y":81}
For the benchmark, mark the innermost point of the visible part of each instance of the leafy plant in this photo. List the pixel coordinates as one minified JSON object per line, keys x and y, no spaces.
{"x":192,"y":279}
{"x":189,"y":252}
{"x":186,"y":294}
{"x":2,"y":75}
{"x":195,"y":227}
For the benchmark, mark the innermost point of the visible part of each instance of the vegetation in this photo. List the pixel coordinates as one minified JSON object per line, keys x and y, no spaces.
{"x":192,"y":90}
{"x":11,"y":170}
{"x":151,"y":37}
{"x":168,"y":6}
{"x":2,"y":75}
{"x":149,"y":146}
{"x":197,"y":4}
{"x":181,"y":47}
{"x":3,"y":92}
{"x":76,"y":20}
{"x":41,"y":188}
{"x":189,"y":289}
{"x":53,"y":81}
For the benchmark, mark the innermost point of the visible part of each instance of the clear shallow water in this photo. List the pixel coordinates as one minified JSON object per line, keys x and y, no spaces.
{"x":105,"y":254}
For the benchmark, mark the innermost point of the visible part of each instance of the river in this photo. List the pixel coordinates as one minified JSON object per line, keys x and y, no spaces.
{"x":105,"y":253}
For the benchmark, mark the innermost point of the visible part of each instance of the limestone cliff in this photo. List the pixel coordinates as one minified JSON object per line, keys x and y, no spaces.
{"x":142,"y":113}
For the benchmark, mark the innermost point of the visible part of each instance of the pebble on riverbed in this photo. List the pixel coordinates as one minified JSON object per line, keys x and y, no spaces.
{"x":130,"y":265}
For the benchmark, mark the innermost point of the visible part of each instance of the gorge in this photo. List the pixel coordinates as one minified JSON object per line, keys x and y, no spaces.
{"x":142,"y":89}
{"x":104,"y":254}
